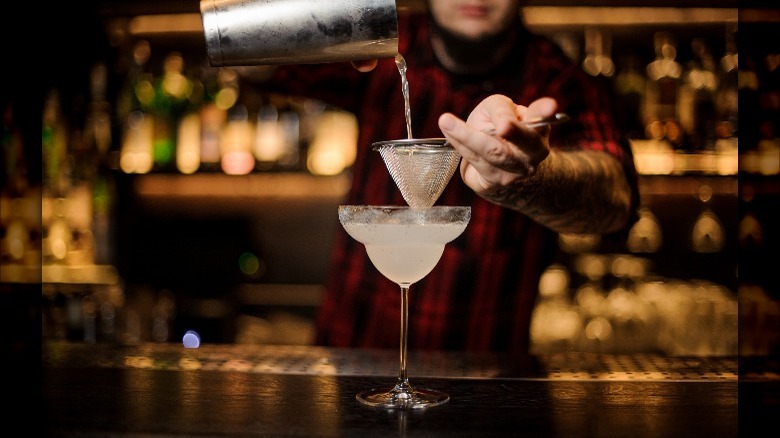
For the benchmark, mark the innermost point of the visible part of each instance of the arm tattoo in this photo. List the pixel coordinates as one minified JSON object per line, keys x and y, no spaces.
{"x":572,"y":192}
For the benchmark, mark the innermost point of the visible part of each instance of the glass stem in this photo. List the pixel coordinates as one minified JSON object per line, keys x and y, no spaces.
{"x":403,"y":380}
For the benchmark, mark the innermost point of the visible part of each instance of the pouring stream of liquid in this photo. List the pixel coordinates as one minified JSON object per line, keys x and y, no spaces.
{"x":400,"y":62}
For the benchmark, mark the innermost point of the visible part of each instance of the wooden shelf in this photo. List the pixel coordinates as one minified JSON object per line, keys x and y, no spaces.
{"x":210,"y":194}
{"x":166,"y":22}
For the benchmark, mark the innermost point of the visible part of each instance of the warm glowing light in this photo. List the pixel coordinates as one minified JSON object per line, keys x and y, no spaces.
{"x":144,"y":91}
{"x":237,"y":163}
{"x":653,"y":157}
{"x":136,"y":154}
{"x":325,"y":162}
{"x":16,"y":238}
{"x":727,"y":158}
{"x":603,"y":16}
{"x":769,"y":156}
{"x":144,"y":25}
{"x":554,"y":281}
{"x":598,"y":329}
{"x":59,"y":239}
{"x":212,"y":121}
{"x":645,"y":235}
{"x":708,"y":235}
{"x":188,"y":144}
{"x":236,"y":144}
{"x":226,"y":98}
{"x":269,"y":138}
{"x":334,"y":144}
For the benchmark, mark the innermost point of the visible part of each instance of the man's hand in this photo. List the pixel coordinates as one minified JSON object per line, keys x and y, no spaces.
{"x":577,"y":191}
{"x":497,"y":149}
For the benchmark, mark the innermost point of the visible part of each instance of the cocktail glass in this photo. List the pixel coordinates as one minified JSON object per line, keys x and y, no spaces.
{"x":404,"y":244}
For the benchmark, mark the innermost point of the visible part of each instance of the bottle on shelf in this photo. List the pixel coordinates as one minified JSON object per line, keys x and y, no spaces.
{"x":213,"y":116}
{"x":630,"y":85}
{"x":598,"y":57}
{"x":727,"y":98}
{"x":236,"y":143}
{"x":14,"y":172}
{"x":268,"y":143}
{"x":188,"y":136}
{"x":661,"y":118}
{"x":133,"y":111}
{"x":98,"y":143}
{"x":697,"y":98}
{"x":171,"y":90}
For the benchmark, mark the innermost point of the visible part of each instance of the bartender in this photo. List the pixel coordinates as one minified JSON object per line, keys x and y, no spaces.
{"x":473,"y":66}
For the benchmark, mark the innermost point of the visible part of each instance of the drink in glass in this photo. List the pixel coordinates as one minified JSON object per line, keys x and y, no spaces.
{"x":404,"y":244}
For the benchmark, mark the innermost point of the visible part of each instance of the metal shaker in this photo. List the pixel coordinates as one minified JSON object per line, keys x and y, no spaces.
{"x":267,"y":32}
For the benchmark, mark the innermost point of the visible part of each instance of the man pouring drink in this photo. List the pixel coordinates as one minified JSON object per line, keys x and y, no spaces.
{"x":475,"y":74}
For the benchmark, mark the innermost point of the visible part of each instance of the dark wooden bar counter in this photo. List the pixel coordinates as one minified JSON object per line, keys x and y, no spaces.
{"x":160,"y":390}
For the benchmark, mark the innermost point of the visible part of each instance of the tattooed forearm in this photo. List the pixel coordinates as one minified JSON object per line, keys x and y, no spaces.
{"x":572,"y":192}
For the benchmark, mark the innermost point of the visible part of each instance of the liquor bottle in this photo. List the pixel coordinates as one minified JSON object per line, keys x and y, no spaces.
{"x":171,"y":90}
{"x":598,"y":61}
{"x":98,"y":142}
{"x":748,"y":86}
{"x":15,"y":239}
{"x":769,"y":98}
{"x":133,"y":107}
{"x":188,"y":137}
{"x":57,"y":171}
{"x":727,"y":99}
{"x":697,"y":98}
{"x":661,"y":118}
{"x":630,"y":85}
{"x":290,"y":126}
{"x":13,"y":173}
{"x":236,"y":143}
{"x":726,"y":109}
{"x":78,"y":200}
{"x":56,"y":168}
{"x":268,"y":143}
{"x":220,"y":87}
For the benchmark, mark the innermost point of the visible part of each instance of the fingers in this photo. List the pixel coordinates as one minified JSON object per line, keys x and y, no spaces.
{"x":476,"y":172}
{"x":540,"y":108}
{"x":495,"y":112}
{"x":501,"y":114}
{"x":511,"y":152}
{"x":464,"y":137}
{"x":495,"y":160}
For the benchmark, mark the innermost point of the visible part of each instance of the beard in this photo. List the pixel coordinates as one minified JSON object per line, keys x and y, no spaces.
{"x":474,"y":53}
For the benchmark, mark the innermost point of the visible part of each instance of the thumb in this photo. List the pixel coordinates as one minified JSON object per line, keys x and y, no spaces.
{"x":543,"y":107}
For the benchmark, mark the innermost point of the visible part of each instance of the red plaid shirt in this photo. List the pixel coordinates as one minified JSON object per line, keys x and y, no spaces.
{"x":481,"y":294}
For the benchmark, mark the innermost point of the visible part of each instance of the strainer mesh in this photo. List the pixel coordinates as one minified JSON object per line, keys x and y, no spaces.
{"x":421,"y":171}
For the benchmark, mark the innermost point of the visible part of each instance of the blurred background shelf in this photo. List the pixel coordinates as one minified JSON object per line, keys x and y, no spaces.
{"x":243,"y":257}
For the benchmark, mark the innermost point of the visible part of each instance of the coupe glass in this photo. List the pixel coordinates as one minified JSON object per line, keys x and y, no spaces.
{"x":404,"y":244}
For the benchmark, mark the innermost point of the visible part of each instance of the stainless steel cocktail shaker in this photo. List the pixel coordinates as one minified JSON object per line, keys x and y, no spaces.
{"x":266,"y":32}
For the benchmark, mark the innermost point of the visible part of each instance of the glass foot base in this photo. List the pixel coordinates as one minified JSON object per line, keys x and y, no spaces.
{"x":391,"y":399}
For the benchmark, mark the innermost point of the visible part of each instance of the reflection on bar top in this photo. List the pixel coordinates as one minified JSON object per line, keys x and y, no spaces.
{"x":280,"y":359}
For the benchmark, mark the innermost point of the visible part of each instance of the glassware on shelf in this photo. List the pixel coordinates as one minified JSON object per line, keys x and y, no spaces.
{"x":645,"y":236}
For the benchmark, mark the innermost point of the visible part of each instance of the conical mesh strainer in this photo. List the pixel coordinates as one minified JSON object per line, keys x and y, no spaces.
{"x":421,"y":168}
